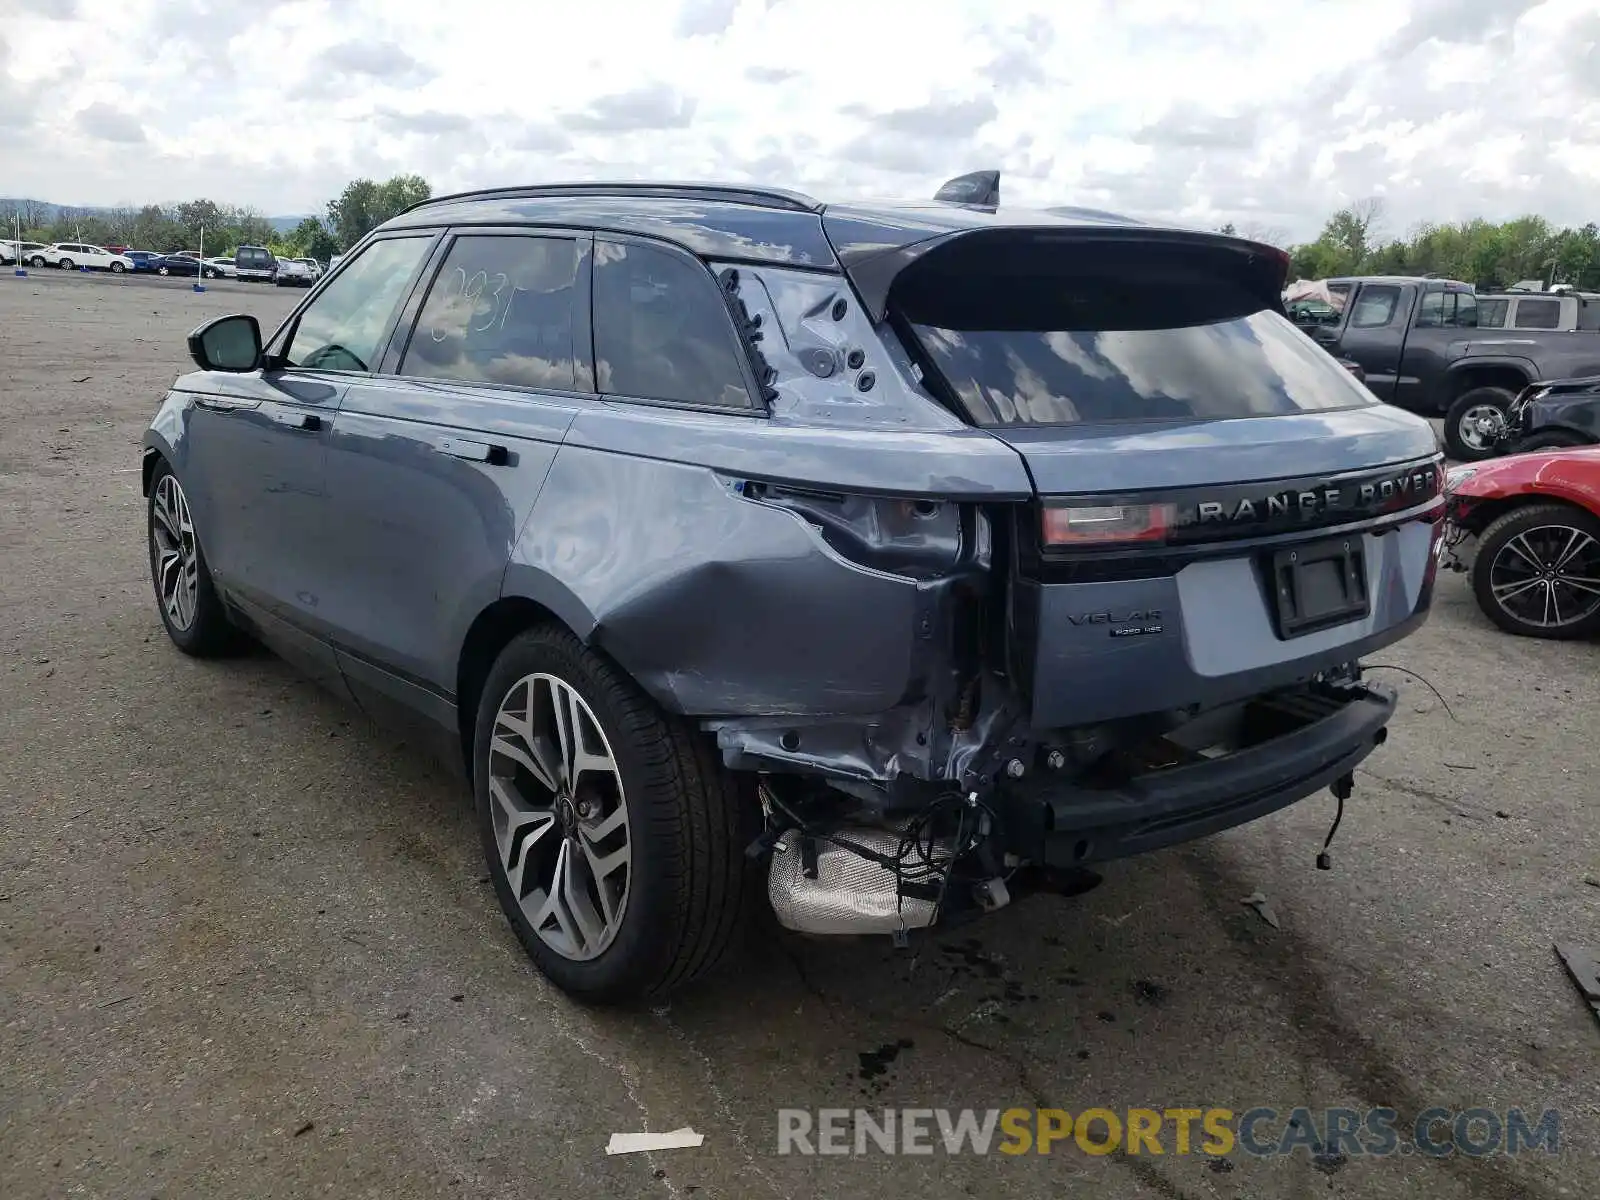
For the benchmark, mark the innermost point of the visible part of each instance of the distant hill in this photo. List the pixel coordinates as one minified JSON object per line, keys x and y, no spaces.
{"x":51,"y":211}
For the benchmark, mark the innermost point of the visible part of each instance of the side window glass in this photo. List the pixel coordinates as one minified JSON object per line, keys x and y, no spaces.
{"x":1491,"y":314}
{"x":1538,"y":314}
{"x":662,"y":330}
{"x":1430,"y":313}
{"x":500,"y":311}
{"x":344,"y":326}
{"x":1374,"y":307}
{"x":1465,"y":314}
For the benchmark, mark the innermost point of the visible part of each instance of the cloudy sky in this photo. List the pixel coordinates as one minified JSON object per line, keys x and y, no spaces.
{"x":1266,"y":113}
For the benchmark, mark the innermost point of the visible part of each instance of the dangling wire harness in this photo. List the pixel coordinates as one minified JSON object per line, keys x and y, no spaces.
{"x":922,"y":867}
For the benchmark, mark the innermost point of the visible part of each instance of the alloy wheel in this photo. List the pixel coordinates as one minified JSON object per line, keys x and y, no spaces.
{"x":1547,"y":576}
{"x":560,"y":816}
{"x":1479,"y":426}
{"x":176,"y":553}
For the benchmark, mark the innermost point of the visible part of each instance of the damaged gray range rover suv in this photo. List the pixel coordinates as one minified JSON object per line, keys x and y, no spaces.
{"x":859,"y":561}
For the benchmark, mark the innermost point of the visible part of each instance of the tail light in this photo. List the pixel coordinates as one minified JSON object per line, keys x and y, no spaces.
{"x":1107,"y":525}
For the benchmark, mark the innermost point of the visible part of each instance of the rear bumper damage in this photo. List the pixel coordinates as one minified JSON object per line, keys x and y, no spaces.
{"x":1271,"y":751}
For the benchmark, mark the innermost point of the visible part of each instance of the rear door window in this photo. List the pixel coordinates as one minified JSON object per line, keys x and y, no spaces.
{"x":1375,"y":307}
{"x":500,"y":311}
{"x":662,"y":330}
{"x":1461,"y":310}
{"x":345,"y":327}
{"x":1430,"y":313}
{"x":1492,"y":314}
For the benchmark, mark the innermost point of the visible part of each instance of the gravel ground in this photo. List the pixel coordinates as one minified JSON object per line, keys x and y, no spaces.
{"x":247,"y":947}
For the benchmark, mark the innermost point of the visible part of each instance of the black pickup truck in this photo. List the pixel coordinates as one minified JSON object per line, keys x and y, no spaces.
{"x":1422,"y":347}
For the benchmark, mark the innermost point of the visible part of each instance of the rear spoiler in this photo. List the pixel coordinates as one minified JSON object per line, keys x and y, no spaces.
{"x":979,"y":189}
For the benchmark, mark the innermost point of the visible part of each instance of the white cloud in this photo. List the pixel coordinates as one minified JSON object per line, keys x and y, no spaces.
{"x":1250,"y":111}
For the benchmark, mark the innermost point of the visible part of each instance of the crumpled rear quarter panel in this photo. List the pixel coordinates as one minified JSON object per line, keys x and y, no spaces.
{"x":714,"y":603}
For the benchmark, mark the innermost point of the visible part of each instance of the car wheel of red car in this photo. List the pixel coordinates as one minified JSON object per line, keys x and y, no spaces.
{"x":1537,"y":572}
{"x":1554,"y":439}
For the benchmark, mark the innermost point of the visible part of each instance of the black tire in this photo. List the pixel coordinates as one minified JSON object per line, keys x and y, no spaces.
{"x":1551,"y":439}
{"x":65,"y":264}
{"x":117,"y":268}
{"x":213,"y":273}
{"x":691,"y":886}
{"x":37,"y":261}
{"x":1533,"y":518}
{"x":163,"y":270}
{"x":210,"y":634}
{"x":1468,"y":447}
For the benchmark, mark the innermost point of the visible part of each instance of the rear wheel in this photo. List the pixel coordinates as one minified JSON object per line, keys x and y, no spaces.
{"x":614,"y":836}
{"x":163,"y":270}
{"x":1473,"y":422}
{"x":1552,"y":439}
{"x":65,"y":264}
{"x":212,"y":273}
{"x":1537,"y":572}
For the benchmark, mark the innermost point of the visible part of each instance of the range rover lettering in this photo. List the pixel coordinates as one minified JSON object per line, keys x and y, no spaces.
{"x":747,"y":550}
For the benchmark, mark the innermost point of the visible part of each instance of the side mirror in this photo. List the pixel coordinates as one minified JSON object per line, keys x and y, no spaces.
{"x":227,"y":344}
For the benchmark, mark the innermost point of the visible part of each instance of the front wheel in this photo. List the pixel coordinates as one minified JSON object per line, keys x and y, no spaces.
{"x":163,"y":270}
{"x":1552,"y":439}
{"x":65,"y":264}
{"x":36,"y":261}
{"x":117,"y":268}
{"x":1537,"y":572}
{"x":212,"y":274}
{"x":614,"y":836}
{"x":190,"y":608}
{"x":1473,"y":423}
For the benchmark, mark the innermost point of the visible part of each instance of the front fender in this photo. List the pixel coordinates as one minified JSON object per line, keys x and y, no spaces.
{"x":1572,"y":476}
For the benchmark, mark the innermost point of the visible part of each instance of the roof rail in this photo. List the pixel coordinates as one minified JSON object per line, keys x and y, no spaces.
{"x":732,"y":193}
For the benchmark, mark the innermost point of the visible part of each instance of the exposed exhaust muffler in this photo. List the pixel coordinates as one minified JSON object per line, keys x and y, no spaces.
{"x":850,"y":894}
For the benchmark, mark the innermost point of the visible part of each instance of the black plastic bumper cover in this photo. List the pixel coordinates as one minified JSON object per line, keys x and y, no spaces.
{"x":1068,"y":825}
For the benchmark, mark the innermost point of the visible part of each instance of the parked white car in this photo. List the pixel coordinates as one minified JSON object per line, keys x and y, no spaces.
{"x":313,"y":266}
{"x":224,"y":267}
{"x":9,"y":251}
{"x":69,"y":256}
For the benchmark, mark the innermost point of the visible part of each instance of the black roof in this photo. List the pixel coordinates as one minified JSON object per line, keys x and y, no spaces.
{"x":738,"y":222}
{"x":870,"y":241}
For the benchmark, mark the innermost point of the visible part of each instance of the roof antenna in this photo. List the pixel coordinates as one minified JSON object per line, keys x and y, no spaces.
{"x":978,"y":189}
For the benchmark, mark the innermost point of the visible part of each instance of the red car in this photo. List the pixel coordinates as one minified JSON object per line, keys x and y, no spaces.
{"x":1537,"y":520}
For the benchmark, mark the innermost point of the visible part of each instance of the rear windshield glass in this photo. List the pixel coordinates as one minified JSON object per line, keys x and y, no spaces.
{"x":1061,"y":334}
{"x":1250,"y":366}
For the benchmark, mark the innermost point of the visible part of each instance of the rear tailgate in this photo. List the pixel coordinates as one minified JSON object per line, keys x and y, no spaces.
{"x":1222,"y":508}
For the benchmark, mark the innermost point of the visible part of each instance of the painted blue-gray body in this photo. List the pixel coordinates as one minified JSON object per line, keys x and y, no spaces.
{"x":340,"y":521}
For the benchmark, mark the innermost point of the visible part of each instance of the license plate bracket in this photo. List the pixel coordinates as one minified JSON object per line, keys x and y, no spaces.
{"x":1319,"y":585}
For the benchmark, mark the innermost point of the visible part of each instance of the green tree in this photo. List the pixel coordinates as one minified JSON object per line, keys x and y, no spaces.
{"x":364,"y":205}
{"x":312,"y":238}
